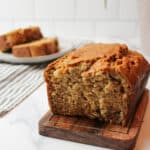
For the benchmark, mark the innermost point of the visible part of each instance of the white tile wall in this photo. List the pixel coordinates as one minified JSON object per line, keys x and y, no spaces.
{"x":72,"y":18}
{"x":94,"y":9}
{"x":54,"y":9}
{"x":75,"y":29}
{"x":17,"y":9}
{"x":128,"y":9}
{"x":5,"y":26}
{"x":113,"y":29}
{"x":4,"y":10}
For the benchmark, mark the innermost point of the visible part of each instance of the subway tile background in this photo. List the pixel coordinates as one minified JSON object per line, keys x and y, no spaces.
{"x":72,"y":18}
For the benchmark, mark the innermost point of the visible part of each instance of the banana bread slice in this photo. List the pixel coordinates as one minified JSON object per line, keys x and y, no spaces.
{"x":99,"y":81}
{"x":36,"y":48}
{"x":19,"y":36}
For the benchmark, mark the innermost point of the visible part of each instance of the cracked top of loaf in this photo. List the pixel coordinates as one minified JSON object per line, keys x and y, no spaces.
{"x":107,"y":57}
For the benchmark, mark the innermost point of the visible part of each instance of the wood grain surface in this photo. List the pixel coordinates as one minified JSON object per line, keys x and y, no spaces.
{"x":94,"y":132}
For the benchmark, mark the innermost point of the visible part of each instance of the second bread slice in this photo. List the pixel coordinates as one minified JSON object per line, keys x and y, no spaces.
{"x":37,"y":48}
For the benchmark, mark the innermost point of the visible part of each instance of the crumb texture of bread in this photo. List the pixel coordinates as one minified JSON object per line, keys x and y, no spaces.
{"x":19,"y":36}
{"x":99,"y":81}
{"x":37,"y":48}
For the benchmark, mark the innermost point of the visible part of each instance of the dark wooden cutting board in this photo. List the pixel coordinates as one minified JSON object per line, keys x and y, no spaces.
{"x":93,"y":132}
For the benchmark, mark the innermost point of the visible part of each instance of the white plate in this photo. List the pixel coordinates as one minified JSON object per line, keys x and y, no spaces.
{"x":65,"y":46}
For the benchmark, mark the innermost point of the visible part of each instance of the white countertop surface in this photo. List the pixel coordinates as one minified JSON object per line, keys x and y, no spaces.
{"x":19,"y":129}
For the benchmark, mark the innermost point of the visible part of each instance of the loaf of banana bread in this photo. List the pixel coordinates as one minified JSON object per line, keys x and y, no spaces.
{"x":98,"y":81}
{"x":19,"y":36}
{"x":37,"y":48}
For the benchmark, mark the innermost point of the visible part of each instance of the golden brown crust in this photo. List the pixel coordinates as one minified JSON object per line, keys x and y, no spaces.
{"x":19,"y":36}
{"x":37,"y":48}
{"x":96,"y":51}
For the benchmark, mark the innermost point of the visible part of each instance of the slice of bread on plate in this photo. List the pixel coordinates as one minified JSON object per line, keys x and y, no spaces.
{"x":19,"y":36}
{"x":41,"y":47}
